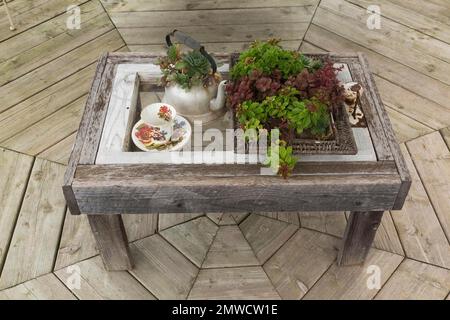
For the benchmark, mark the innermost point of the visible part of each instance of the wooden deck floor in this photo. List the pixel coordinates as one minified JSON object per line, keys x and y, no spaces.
{"x":45,"y":73}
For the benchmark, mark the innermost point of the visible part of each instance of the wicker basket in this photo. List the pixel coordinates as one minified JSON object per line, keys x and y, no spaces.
{"x":340,"y":142}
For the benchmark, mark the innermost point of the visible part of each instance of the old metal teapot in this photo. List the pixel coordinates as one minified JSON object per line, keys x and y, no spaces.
{"x":199,"y":102}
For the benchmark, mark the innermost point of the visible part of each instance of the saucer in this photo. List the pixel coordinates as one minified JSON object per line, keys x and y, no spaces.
{"x":152,"y":139}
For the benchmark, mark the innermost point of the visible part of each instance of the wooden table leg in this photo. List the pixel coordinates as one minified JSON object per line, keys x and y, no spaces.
{"x":358,"y":237}
{"x":112,"y":241}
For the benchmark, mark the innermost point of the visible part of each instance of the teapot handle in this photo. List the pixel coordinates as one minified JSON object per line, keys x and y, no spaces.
{"x":191,"y":43}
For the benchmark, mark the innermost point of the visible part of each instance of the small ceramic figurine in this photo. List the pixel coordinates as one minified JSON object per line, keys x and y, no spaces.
{"x":352,"y":95}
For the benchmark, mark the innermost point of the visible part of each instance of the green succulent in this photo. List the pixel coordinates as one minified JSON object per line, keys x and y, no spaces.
{"x":269,"y":56}
{"x":186,"y":69}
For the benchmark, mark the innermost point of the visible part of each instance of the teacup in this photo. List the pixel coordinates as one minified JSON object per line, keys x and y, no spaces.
{"x":160,"y":116}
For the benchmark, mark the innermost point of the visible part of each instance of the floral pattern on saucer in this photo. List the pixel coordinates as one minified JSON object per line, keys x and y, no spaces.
{"x":148,"y":138}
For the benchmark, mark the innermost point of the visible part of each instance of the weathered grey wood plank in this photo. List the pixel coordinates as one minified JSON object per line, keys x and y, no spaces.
{"x":81,"y":135}
{"x":423,"y":54}
{"x":148,"y":5}
{"x":432,"y":160}
{"x":295,"y":268}
{"x":33,"y":14}
{"x":332,"y":223}
{"x":214,"y":17}
{"x":233,"y":283}
{"x":265,"y":235}
{"x":395,"y":72}
{"x":358,"y":237}
{"x":446,"y":135}
{"x":418,"y":225}
{"x":46,"y":287}
{"x":77,"y":241}
{"x":226,"y":33}
{"x":98,"y":284}
{"x":49,"y":130}
{"x":49,"y":41}
{"x":162,"y":269}
{"x":59,"y":152}
{"x":255,"y":193}
{"x":58,"y":69}
{"x":351,"y":283}
{"x":387,"y":237}
{"x":168,"y":220}
{"x":112,"y":242}
{"x":36,"y":236}
{"x":192,"y":238}
{"x":15,"y":169}
{"x":389,"y":132}
{"x":229,"y":249}
{"x":415,"y":280}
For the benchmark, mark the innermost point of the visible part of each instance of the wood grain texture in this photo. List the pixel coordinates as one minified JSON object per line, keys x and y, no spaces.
{"x":295,"y":268}
{"x":15,"y":169}
{"x":387,"y":237}
{"x":36,"y":236}
{"x":58,"y":69}
{"x":121,"y":111}
{"x":229,"y":249}
{"x":77,"y":241}
{"x":395,"y":72}
{"x":259,"y":193}
{"x":423,"y":54}
{"x":239,"y":217}
{"x":164,"y":271}
{"x":415,"y":280}
{"x":351,"y":283}
{"x":59,"y":152}
{"x":358,"y":237}
{"x":265,"y":235}
{"x":245,"y":283}
{"x":389,"y":132}
{"x":98,"y":284}
{"x":81,"y":135}
{"x":49,"y":41}
{"x":446,"y":135}
{"x":44,"y":103}
{"x":332,"y":223}
{"x":226,"y":33}
{"x":406,"y":128}
{"x":418,"y":225}
{"x":46,"y":287}
{"x":147,"y":5}
{"x":49,"y":130}
{"x":214,"y":17}
{"x":432,"y":160}
{"x":112,"y":242}
{"x":29,"y":15}
{"x":168,"y":220}
{"x":192,"y":238}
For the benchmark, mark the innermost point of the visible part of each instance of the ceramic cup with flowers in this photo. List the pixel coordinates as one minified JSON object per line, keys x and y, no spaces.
{"x":159,"y":120}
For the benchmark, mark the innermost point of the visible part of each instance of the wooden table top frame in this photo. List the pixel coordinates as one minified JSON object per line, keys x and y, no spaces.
{"x":105,"y":191}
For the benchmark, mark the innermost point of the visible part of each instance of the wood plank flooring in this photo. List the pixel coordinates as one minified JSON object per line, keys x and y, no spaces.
{"x":45,"y":75}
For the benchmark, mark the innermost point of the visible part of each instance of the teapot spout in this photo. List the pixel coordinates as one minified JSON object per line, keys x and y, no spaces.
{"x":219,"y":102}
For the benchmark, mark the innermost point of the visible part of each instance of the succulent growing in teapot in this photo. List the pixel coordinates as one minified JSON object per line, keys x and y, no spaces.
{"x":186,"y":69}
{"x":192,"y":84}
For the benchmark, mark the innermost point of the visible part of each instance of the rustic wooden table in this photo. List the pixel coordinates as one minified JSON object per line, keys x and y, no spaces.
{"x":106,"y":177}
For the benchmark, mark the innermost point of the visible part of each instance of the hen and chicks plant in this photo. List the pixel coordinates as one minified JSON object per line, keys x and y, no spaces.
{"x":275,"y":88}
{"x":186,"y":69}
